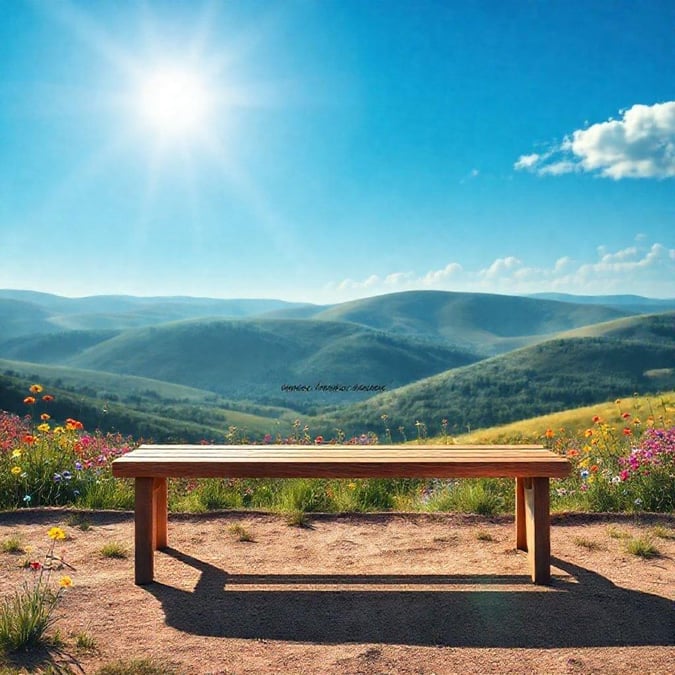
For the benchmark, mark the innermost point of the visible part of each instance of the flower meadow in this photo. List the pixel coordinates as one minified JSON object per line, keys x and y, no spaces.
{"x":625,"y":462}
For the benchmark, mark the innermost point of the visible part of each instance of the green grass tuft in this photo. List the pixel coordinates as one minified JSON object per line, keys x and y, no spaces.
{"x":138,"y":667}
{"x":114,"y":549}
{"x":240,"y":532}
{"x":642,"y":547}
{"x":13,"y":544}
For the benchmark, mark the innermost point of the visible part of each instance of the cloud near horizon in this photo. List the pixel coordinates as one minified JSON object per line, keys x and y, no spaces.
{"x":639,"y":145}
{"x":632,"y":270}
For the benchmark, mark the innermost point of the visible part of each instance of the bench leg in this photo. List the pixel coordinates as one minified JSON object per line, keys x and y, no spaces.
{"x":538,"y":526}
{"x":160,"y":496}
{"x":521,"y":529}
{"x":145,"y":528}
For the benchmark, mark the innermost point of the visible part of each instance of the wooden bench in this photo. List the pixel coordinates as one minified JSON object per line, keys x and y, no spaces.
{"x":530,"y":465}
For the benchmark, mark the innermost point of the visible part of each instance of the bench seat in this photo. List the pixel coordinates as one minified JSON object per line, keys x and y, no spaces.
{"x":530,"y":465}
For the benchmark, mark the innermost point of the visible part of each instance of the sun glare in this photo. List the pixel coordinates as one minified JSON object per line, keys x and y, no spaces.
{"x":174,"y":102}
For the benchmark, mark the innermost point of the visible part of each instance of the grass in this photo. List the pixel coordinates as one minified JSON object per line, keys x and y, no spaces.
{"x":240,"y":532}
{"x":588,"y":544}
{"x":13,"y":544}
{"x":484,"y":535}
{"x":114,"y":549}
{"x":615,"y":533}
{"x":643,"y":547}
{"x":296,"y":518}
{"x":662,"y":532}
{"x":79,"y":520}
{"x":138,"y":667}
{"x":85,"y":643}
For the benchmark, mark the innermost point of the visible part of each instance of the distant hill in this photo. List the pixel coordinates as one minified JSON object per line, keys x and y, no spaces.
{"x":484,"y":323}
{"x":254,"y":359}
{"x":632,"y":303}
{"x":29,"y":312}
{"x":540,"y":379}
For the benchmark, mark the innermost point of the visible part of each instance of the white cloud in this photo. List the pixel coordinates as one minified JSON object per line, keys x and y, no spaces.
{"x":639,"y":145}
{"x":646,"y":271}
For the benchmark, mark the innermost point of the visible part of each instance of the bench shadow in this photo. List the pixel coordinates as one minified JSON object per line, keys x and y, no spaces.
{"x":586,"y":611}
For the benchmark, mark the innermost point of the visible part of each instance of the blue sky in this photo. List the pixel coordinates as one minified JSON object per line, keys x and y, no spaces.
{"x":327,"y":150}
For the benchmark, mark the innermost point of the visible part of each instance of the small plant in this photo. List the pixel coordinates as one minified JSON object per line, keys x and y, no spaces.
{"x":85,"y":643}
{"x":296,"y":518}
{"x":114,"y":550}
{"x":26,"y":616}
{"x":79,"y":520}
{"x":138,"y":667}
{"x":240,"y":532}
{"x":662,"y":532}
{"x":642,"y":547}
{"x":484,"y":535}
{"x":13,"y":544}
{"x":616,"y":533}
{"x":588,"y":544}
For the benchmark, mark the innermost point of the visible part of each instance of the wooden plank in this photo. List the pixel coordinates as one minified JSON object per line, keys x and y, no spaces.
{"x":537,"y":514}
{"x":144,"y":531}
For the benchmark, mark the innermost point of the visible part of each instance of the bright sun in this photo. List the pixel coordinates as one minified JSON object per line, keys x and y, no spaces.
{"x":174,"y":102}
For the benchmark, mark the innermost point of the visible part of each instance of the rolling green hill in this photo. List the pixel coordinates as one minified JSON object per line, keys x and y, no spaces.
{"x":141,"y":407}
{"x":483,"y":323}
{"x":540,"y":379}
{"x":254,"y":359}
{"x":29,"y":312}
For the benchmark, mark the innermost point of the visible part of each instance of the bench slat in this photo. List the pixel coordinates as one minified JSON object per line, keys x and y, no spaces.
{"x":329,"y":461}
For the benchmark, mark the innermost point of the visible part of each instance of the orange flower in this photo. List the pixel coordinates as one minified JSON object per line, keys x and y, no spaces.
{"x":627,"y":431}
{"x":588,"y":433}
{"x":549,"y":433}
{"x":625,"y":415}
{"x":35,"y":388}
{"x":44,"y":417}
{"x":47,"y":398}
{"x":29,"y":400}
{"x":594,"y":468}
{"x":73,"y":424}
{"x":597,"y":419}
{"x":28,"y":438}
{"x":572,"y":453}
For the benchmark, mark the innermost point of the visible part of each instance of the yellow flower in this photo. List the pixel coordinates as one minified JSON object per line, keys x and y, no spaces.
{"x":65,"y":582}
{"x":352,"y":486}
{"x":56,"y":533}
{"x":44,"y":427}
{"x":58,"y":430}
{"x":16,"y":453}
{"x":16,"y":470}
{"x":35,"y":388}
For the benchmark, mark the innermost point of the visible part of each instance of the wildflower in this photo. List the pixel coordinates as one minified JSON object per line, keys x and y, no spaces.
{"x":352,"y":486}
{"x":625,"y":415}
{"x":45,"y":416}
{"x":618,"y":401}
{"x":16,"y":453}
{"x":58,"y":430}
{"x":549,"y":433}
{"x":56,"y":533}
{"x":572,"y":453}
{"x":597,"y":419}
{"x":627,"y":431}
{"x":588,"y":433}
{"x":44,"y":427}
{"x":584,"y":487}
{"x":35,"y":388}
{"x":318,"y":440}
{"x":638,"y":502}
{"x":624,"y":475}
{"x":35,"y":565}
{"x":616,"y":479}
{"x":29,"y":400}
{"x":57,"y":478}
{"x":65,"y":581}
{"x":67,"y":475}
{"x":594,"y":468}
{"x":16,"y":470}
{"x":78,"y":466}
{"x":28,"y":438}
{"x":27,"y":499}
{"x":584,"y":473}
{"x":637,"y":422}
{"x":73,"y":424}
{"x":47,"y":398}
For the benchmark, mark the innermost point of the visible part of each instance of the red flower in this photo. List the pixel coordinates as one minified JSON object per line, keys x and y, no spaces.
{"x":28,"y":438}
{"x":625,"y":415}
{"x":627,"y":431}
{"x":47,"y":398}
{"x":318,"y":440}
{"x":29,"y":400}
{"x":36,"y":565}
{"x":596,"y":419}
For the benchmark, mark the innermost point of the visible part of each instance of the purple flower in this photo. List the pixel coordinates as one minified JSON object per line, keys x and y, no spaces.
{"x":57,"y":477}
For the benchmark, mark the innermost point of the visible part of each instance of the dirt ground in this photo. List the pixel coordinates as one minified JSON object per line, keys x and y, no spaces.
{"x":392,"y":593}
